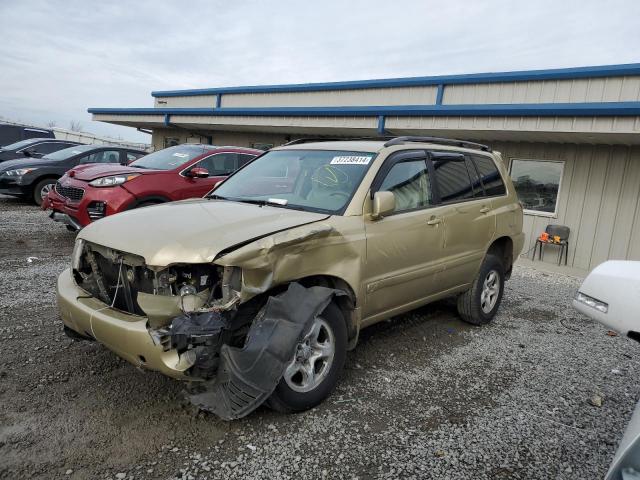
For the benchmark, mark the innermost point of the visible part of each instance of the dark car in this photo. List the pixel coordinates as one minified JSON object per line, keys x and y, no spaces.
{"x":34,"y":178}
{"x":90,"y":192}
{"x":33,"y":148}
{"x":14,"y":133}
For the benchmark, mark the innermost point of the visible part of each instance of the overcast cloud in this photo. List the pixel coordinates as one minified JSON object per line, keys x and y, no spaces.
{"x":57,"y":58}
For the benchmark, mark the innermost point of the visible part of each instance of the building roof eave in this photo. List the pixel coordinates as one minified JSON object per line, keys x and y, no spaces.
{"x":490,"y":77}
{"x":589,"y":109}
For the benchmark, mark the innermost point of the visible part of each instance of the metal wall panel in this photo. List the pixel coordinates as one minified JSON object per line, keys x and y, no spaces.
{"x":609,"y":89}
{"x":193,"y":101}
{"x":334,"y":98}
{"x":599,"y":200}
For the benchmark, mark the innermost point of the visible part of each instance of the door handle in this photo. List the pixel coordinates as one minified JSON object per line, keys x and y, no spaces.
{"x":434,"y":221}
{"x":485,"y":210}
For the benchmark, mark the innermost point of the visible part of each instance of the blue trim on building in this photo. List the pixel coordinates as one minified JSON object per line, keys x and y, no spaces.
{"x":440,"y":94}
{"x":509,"y":110}
{"x":381,"y":125}
{"x":526,"y":75}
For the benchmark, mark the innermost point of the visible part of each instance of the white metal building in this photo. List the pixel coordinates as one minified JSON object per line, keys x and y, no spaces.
{"x":571,"y":136}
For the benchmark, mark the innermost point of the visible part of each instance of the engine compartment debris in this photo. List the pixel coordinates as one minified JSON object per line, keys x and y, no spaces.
{"x":247,"y":375}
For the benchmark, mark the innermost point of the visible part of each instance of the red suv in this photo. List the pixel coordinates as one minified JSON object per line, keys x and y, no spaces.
{"x":90,"y":192}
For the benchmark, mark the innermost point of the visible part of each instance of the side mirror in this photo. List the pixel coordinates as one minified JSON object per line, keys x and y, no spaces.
{"x":384,"y":203}
{"x":198,"y":172}
{"x":28,"y":152}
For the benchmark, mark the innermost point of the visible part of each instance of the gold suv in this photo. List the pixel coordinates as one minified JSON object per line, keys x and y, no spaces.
{"x":255,"y":292}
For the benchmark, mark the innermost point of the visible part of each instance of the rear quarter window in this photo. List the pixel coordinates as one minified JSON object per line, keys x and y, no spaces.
{"x":489,"y":175}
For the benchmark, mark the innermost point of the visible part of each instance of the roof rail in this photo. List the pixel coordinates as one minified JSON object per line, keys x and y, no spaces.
{"x":438,"y":140}
{"x":299,"y":141}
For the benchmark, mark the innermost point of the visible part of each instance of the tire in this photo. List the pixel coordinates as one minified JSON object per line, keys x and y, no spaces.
{"x":42,"y":188}
{"x":291,"y":395}
{"x":479,"y":304}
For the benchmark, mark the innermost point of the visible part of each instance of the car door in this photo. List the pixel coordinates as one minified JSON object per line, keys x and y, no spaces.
{"x":219,"y":166}
{"x":404,"y":249}
{"x":467,"y":213}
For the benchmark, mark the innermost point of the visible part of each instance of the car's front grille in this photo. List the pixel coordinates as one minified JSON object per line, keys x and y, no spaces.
{"x":72,"y":193}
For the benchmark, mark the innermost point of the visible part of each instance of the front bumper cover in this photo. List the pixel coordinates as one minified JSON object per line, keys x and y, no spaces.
{"x":125,"y":334}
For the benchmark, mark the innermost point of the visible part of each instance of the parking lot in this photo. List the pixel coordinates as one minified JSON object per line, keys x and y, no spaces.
{"x":423,"y":395}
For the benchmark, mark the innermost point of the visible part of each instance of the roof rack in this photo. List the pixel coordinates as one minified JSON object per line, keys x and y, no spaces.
{"x":299,"y":141}
{"x":438,"y":140}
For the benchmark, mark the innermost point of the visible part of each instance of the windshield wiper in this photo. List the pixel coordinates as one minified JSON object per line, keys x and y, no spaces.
{"x":274,"y":202}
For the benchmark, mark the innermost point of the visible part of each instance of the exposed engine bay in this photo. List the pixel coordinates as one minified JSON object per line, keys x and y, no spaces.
{"x":236,"y":353}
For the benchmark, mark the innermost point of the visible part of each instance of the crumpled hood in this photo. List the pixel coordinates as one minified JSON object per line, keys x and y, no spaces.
{"x":91,"y":172}
{"x":191,"y":231}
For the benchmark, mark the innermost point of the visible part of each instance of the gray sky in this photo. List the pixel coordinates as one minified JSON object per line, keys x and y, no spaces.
{"x":57,"y":58}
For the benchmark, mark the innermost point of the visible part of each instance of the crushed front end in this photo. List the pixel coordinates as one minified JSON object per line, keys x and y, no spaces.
{"x":172,"y":319}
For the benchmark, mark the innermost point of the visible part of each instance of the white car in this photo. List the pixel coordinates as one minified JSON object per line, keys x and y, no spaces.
{"x":611,"y":295}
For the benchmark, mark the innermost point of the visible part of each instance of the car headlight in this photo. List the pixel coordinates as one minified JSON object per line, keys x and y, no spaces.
{"x":592,"y":302}
{"x":18,"y":172}
{"x":76,"y":255}
{"x":112,"y":181}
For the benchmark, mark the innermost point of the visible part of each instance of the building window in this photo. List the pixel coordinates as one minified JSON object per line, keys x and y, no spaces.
{"x":171,"y":142}
{"x":537,"y":183}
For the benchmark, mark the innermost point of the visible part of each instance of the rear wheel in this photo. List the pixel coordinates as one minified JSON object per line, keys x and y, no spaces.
{"x":317,"y":363}
{"x":42,"y":189}
{"x":479,"y":304}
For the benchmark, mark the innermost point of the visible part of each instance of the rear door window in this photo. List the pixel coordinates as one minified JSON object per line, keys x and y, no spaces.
{"x":104,"y":156}
{"x":490,"y":176}
{"x":133,"y":156}
{"x":476,"y":182}
{"x":219,"y":164}
{"x":452,"y":177}
{"x":243,"y":159}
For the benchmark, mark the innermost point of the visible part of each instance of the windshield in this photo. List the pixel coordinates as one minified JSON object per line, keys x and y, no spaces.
{"x":315,"y":180}
{"x":20,"y":144}
{"x":68,"y":152}
{"x":169,"y":158}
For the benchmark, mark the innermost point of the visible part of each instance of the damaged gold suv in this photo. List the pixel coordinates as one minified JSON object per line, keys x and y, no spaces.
{"x":255,"y":292}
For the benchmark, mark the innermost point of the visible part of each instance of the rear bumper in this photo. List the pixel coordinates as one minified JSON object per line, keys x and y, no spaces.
{"x":123,"y":333}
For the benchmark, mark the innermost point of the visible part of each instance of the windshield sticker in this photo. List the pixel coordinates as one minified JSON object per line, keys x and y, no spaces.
{"x":181,"y":155}
{"x":350,"y":160}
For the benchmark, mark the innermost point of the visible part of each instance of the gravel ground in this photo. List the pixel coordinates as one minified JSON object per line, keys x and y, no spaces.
{"x":423,"y":395}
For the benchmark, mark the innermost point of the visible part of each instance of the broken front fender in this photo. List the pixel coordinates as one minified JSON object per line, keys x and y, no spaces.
{"x":247,"y":376}
{"x":334,"y":248}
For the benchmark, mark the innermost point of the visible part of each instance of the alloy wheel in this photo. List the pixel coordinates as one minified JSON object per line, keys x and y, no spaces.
{"x":490,"y":291}
{"x":312,"y":359}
